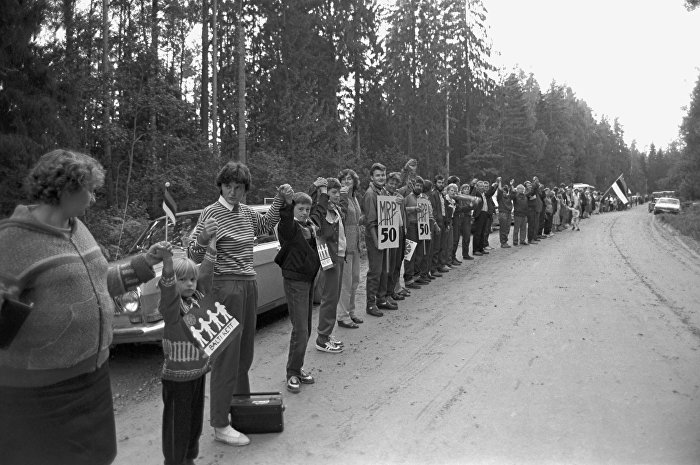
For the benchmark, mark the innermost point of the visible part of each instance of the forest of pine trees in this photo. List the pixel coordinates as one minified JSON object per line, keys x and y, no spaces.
{"x":165,"y":90}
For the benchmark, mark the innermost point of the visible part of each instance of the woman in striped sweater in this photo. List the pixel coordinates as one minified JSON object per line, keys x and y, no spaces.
{"x":234,"y":286}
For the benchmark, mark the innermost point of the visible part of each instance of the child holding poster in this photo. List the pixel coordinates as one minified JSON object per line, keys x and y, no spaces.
{"x":183,"y":286}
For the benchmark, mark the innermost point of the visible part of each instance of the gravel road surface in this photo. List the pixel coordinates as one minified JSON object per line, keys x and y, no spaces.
{"x":580,"y":350}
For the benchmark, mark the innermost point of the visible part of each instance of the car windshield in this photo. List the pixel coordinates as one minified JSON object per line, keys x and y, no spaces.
{"x":178,"y":234}
{"x":669,"y":201}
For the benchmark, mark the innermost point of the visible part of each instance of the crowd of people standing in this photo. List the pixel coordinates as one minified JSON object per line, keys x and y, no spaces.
{"x":54,"y":377}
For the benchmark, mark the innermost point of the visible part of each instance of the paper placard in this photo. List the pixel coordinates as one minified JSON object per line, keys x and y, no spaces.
{"x":423,"y":219}
{"x":211,"y":326}
{"x":388,"y":219}
{"x":410,"y":248}
{"x":323,"y":254}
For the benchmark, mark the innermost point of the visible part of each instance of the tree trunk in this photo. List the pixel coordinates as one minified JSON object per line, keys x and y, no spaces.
{"x":69,"y":23}
{"x":242,"y":157}
{"x":358,"y":90}
{"x":447,"y":132}
{"x":153,"y":82}
{"x":204,"y":100}
{"x":107,"y":103}
{"x":214,"y":83}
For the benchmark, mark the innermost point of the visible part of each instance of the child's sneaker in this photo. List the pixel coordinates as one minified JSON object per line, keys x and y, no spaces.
{"x":328,"y":346}
{"x":293,"y":384}
{"x":306,"y":378}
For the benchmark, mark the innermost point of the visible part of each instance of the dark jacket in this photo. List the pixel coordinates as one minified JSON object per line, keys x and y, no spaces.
{"x":505,"y":201}
{"x":297,"y":257}
{"x":520,"y":204}
{"x":328,"y":231}
{"x":532,"y":196}
{"x":436,"y":199}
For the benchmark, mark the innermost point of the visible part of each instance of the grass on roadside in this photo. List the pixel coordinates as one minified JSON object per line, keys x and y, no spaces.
{"x":687,"y":222}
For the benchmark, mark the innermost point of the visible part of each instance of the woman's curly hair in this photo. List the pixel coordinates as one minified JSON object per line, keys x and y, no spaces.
{"x":62,"y":171}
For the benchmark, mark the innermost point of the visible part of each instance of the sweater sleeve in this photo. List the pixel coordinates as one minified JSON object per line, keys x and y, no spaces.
{"x":169,"y":305}
{"x":262,"y":224}
{"x":196,"y":251}
{"x":125,"y":277}
{"x":206,"y":270}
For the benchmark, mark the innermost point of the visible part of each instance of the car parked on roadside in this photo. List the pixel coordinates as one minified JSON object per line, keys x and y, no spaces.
{"x":667,"y":205}
{"x":136,"y":317}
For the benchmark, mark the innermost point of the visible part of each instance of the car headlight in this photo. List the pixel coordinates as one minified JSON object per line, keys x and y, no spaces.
{"x":131,"y":301}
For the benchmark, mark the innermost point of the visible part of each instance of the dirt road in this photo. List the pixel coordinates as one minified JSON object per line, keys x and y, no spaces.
{"x":582,"y":349}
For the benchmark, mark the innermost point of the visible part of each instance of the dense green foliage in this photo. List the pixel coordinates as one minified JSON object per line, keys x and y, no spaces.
{"x":329,"y":84}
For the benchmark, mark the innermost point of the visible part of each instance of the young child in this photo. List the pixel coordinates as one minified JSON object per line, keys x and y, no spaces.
{"x":182,"y":286}
{"x":575,"y":217}
{"x":299,"y":261}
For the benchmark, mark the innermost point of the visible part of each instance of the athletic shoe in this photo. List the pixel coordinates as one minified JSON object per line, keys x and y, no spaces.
{"x":230,"y":436}
{"x":306,"y":378}
{"x":336,"y":341}
{"x":294,"y":385}
{"x":329,"y":347}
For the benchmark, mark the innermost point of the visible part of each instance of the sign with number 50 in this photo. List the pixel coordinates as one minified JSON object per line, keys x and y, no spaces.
{"x":388,"y":220}
{"x":423,"y":219}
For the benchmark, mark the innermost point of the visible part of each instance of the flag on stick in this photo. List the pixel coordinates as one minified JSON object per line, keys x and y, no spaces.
{"x":620,"y":188}
{"x":169,"y":205}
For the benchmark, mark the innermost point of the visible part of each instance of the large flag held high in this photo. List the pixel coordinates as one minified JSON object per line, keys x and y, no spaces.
{"x":169,"y":205}
{"x":620,"y":188}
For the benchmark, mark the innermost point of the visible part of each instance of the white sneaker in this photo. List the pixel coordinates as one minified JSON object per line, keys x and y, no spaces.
{"x":230,"y":436}
{"x":336,"y":341}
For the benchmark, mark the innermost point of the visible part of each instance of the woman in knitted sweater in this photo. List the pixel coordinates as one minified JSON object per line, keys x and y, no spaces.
{"x":55,"y":393}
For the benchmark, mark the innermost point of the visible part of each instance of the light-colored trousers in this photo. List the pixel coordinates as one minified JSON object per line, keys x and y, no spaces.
{"x":350,"y":281}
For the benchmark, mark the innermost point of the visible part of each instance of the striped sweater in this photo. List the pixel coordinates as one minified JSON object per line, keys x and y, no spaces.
{"x":236,"y":233}
{"x":64,"y":274}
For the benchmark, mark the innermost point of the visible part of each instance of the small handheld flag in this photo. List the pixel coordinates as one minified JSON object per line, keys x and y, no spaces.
{"x":169,"y":205}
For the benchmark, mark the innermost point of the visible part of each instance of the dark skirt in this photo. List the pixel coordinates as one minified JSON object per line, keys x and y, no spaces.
{"x":71,"y":422}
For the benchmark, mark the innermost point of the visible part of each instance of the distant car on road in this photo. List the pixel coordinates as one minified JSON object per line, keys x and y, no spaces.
{"x":136,"y":317}
{"x":667,"y":205}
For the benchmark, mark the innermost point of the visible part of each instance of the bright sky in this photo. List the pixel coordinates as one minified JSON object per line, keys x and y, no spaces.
{"x":637,"y":60}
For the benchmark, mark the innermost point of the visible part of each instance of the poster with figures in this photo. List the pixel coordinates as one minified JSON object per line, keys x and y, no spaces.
{"x":323,"y":254}
{"x":211,"y":325}
{"x":423,"y":219}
